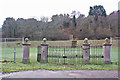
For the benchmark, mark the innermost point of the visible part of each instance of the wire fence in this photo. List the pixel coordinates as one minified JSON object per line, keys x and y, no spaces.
{"x":12,"y":49}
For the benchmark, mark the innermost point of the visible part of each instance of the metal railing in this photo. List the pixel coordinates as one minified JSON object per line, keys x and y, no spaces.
{"x":69,"y":55}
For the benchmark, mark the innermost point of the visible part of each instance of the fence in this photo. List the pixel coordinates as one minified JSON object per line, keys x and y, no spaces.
{"x":94,"y":54}
{"x":11,"y":49}
{"x":69,"y":55}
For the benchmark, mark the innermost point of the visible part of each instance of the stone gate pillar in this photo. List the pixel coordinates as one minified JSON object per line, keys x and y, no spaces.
{"x":44,"y":52}
{"x":106,"y":47}
{"x":86,"y":51}
{"x":26,"y":47}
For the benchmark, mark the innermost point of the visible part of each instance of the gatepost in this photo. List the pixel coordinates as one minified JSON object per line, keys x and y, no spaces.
{"x":106,"y":47}
{"x":86,"y":51}
{"x":44,"y":51}
{"x":26,"y":47}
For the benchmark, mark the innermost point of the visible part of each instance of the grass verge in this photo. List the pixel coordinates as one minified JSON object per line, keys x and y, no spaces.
{"x":18,"y":66}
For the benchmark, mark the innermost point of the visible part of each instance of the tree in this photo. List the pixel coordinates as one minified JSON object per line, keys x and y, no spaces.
{"x":74,"y":21}
{"x":44,"y":19}
{"x":9,"y":27}
{"x":63,"y":25}
{"x":97,"y":11}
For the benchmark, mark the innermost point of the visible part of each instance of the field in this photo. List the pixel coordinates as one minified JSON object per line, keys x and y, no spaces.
{"x":9,"y":55}
{"x":34,"y":44}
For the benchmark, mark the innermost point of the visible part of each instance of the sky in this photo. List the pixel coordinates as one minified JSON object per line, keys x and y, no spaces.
{"x":39,"y":8}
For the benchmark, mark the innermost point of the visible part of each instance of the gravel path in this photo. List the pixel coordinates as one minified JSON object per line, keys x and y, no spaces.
{"x":63,"y":74}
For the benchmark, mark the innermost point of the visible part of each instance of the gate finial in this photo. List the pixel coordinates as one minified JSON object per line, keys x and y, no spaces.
{"x":86,"y":40}
{"x":44,"y":39}
{"x":107,"y":41}
{"x":26,"y":40}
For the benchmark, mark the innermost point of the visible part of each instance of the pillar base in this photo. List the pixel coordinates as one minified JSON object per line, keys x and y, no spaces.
{"x":25,"y":61}
{"x":107,"y":62}
{"x":44,"y":61}
{"x":86,"y":62}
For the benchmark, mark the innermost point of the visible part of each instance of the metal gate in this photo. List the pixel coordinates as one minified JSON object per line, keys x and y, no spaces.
{"x":96,"y":55}
{"x":65,"y":54}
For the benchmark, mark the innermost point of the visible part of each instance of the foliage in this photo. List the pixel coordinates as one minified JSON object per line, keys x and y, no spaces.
{"x":74,"y":21}
{"x":97,"y":11}
{"x":97,"y":25}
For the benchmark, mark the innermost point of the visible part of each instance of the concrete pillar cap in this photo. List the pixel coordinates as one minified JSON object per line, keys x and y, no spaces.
{"x":107,"y":42}
{"x":44,"y":39}
{"x":86,"y":41}
{"x":26,"y":42}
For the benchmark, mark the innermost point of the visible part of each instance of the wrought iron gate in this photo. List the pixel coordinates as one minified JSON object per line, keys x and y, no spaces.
{"x":65,"y":54}
{"x":96,"y":55}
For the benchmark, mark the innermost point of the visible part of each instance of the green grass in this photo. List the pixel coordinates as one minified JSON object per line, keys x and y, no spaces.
{"x":15,"y":67}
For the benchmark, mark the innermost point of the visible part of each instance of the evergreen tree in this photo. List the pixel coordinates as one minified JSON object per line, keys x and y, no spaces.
{"x":74,"y":21}
{"x":97,"y":11}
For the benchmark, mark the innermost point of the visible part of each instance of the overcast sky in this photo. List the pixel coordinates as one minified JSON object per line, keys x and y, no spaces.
{"x":38,"y":8}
